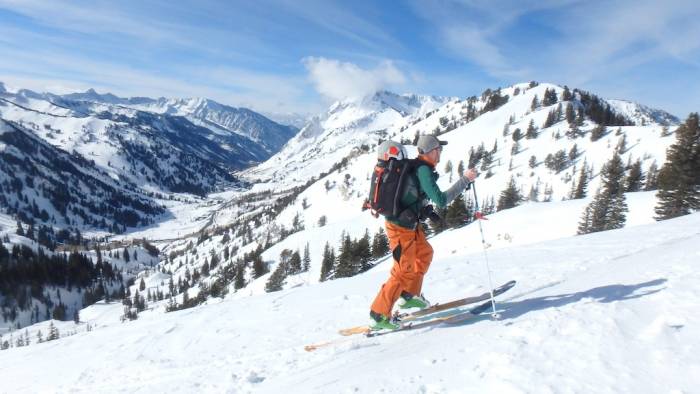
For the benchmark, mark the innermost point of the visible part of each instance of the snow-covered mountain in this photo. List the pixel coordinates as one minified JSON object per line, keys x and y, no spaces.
{"x":220,"y":118}
{"x":161,"y":145}
{"x":345,"y":128}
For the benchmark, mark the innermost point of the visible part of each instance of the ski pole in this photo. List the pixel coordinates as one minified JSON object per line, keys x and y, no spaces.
{"x":479,"y":215}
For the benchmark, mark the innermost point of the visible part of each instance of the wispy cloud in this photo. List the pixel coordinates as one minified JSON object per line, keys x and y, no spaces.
{"x":338,"y":80}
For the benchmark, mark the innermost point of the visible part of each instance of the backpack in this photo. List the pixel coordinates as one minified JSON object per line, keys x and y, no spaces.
{"x":388,"y":179}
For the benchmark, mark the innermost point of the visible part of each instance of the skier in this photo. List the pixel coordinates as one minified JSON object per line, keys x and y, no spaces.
{"x":412,"y":252}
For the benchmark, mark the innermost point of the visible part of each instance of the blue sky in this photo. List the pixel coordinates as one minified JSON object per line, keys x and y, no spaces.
{"x":298,"y":56}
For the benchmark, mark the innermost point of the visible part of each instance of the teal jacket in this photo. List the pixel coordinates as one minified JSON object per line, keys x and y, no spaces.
{"x":421,"y":187}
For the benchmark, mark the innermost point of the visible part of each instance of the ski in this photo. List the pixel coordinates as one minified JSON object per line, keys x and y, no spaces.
{"x":406,"y":317}
{"x":403,"y":317}
{"x":450,"y":319}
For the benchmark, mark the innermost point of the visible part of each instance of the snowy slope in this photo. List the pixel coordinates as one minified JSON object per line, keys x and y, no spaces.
{"x":607,"y":312}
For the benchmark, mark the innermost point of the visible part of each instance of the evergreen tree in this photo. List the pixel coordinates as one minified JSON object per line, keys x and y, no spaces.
{"x":534,"y":104}
{"x":205,"y":268}
{"x":534,"y":192}
{"x":239,"y":280}
{"x":517,"y":135}
{"x":363,"y":252}
{"x":533,"y":161}
{"x":652,"y":182}
{"x":276,"y":280}
{"x":510,"y":197}
{"x":515,"y":150}
{"x":142,"y":285}
{"x":345,"y":266}
{"x":295,"y":263}
{"x":20,"y":230}
{"x":607,"y":210}
{"x":457,"y":214}
{"x":531,"y":132}
{"x":598,"y":132}
{"x":566,"y":94}
{"x":570,"y":114}
{"x":380,"y":244}
{"x":551,"y":119}
{"x":259,"y":267}
{"x":679,"y":178}
{"x":622,"y":144}
{"x":635,"y":178}
{"x":582,"y":183}
{"x":307,"y":259}
{"x":53,"y":333}
{"x":327,"y":263}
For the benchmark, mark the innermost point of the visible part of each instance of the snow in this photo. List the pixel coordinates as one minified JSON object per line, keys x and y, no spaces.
{"x":607,"y":312}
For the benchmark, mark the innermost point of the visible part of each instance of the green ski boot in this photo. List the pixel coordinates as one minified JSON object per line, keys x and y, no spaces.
{"x":381,"y":322}
{"x":408,"y":301}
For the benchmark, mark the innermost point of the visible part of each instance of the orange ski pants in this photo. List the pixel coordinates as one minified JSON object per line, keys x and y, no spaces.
{"x":412,"y":257}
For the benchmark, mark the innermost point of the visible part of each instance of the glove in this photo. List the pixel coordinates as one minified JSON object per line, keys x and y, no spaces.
{"x":427,"y":212}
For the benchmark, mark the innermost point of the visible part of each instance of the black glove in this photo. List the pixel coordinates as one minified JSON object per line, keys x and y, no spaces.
{"x":427,"y":212}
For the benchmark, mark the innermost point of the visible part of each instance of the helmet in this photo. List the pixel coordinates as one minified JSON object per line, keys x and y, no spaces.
{"x":391,"y":150}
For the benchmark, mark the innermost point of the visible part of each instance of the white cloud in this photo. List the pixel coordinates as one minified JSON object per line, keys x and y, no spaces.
{"x":339,"y":80}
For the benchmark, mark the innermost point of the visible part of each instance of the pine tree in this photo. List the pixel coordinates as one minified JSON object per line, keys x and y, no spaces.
{"x":380,"y":244}
{"x":53,"y":333}
{"x":582,"y":183}
{"x":307,"y":259}
{"x":533,"y":161}
{"x":327,"y":263}
{"x":566,"y":94}
{"x":598,"y":132}
{"x":679,"y":178}
{"x":534,"y":104}
{"x":652,"y":182}
{"x":510,"y":197}
{"x":239,"y":281}
{"x":142,"y":285}
{"x":607,"y":210}
{"x":276,"y":280}
{"x":635,"y":178}
{"x":531,"y":132}
{"x":345,"y":264}
{"x":456,"y":215}
{"x":551,"y":119}
{"x":570,"y":114}
{"x":363,"y":252}
{"x":517,"y":135}
{"x":259,"y":267}
{"x":295,"y":263}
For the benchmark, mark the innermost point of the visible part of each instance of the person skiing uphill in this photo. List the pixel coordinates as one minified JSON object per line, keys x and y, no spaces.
{"x":412,"y":252}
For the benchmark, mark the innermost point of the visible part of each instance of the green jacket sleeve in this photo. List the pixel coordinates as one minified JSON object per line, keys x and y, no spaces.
{"x":440,"y":198}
